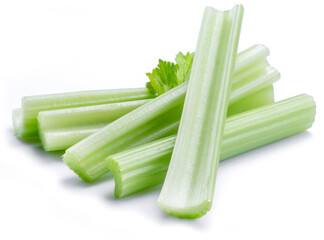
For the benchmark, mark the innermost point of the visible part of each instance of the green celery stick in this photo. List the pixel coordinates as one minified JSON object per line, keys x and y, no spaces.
{"x":189,"y":185}
{"x":56,"y":135}
{"x":87,"y":157}
{"x":57,"y":128}
{"x":32,"y":105}
{"x":258,"y":99}
{"x":145,"y":166}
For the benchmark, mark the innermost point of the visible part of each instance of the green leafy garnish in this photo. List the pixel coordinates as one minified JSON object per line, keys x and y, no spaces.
{"x":168,"y":75}
{"x":184,"y":64}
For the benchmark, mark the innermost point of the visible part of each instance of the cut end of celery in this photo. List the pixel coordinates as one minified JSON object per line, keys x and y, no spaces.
{"x":43,"y":139}
{"x":72,"y":162}
{"x":114,"y":167}
{"x":17,"y":121}
{"x":190,"y":212}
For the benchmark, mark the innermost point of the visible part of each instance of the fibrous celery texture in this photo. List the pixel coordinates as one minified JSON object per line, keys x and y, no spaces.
{"x":32,"y":105}
{"x":65,"y":127}
{"x":189,"y":185}
{"x":145,"y":166}
{"x":87,"y":158}
{"x":61,"y":129}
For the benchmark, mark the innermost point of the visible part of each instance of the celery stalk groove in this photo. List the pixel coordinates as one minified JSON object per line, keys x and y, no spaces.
{"x":189,"y":185}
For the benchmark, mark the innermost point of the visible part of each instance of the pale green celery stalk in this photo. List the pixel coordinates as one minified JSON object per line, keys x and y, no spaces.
{"x":87,"y":157}
{"x":189,"y":185}
{"x":145,"y":166}
{"x":258,"y":99}
{"x":32,"y":105}
{"x":60,"y":129}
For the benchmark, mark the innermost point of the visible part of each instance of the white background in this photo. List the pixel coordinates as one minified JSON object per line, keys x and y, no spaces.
{"x":276,"y":192}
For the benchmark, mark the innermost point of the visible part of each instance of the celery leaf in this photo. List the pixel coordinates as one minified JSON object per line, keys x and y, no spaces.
{"x":164,"y":77}
{"x":184,"y":63}
{"x":168,"y":75}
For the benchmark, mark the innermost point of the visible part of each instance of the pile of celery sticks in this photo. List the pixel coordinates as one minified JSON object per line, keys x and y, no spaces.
{"x":207,"y":106}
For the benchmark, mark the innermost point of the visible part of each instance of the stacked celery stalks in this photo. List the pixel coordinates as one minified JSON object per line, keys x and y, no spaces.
{"x":252,"y":88}
{"x":25,"y":118}
{"x":146,"y":165}
{"x":133,"y":132}
{"x":87,"y":158}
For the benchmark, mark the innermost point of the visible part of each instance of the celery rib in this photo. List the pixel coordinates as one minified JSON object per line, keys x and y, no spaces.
{"x":189,"y":185}
{"x":146,"y":165}
{"x":90,"y":153}
{"x":32,"y":105}
{"x":60,"y":129}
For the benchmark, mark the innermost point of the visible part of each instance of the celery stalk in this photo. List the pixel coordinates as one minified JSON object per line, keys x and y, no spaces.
{"x":145,"y":166}
{"x":189,"y":185}
{"x":88,"y":162}
{"x":56,"y":135}
{"x":32,"y":105}
{"x":258,"y":99}
{"x":57,"y":128}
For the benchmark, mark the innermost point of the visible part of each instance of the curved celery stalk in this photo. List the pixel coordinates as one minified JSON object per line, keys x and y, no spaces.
{"x":189,"y":185}
{"x":258,"y":99}
{"x":32,"y":105}
{"x":145,"y":166}
{"x":88,"y":162}
{"x":56,"y":135}
{"x":58,"y":128}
